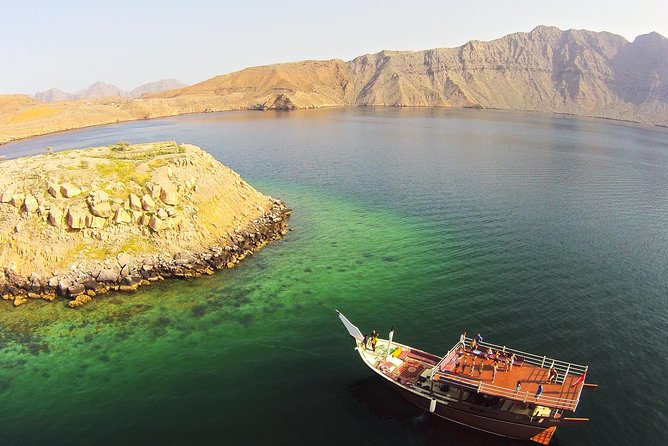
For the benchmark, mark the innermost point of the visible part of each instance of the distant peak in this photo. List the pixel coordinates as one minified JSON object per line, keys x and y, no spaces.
{"x":650,"y":37}
{"x":544,"y":28}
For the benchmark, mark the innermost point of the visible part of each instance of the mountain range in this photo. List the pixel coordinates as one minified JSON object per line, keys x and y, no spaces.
{"x":101,"y":90}
{"x":578,"y":72}
{"x":575,"y":72}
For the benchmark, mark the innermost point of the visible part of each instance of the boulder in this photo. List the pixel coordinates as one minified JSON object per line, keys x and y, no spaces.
{"x":17,"y":200}
{"x":69,"y":190}
{"x":124,"y":259}
{"x":121,"y":216}
{"x":55,"y":216}
{"x":80,"y":300}
{"x":76,"y":218}
{"x":30,"y":204}
{"x":6,"y":196}
{"x":95,"y":222}
{"x":109,"y":275}
{"x":53,"y":189}
{"x":162,"y":214}
{"x":98,"y":203}
{"x":135,"y":202}
{"x":154,"y":190}
{"x":156,"y":224}
{"x":147,"y":202}
{"x":169,"y":196}
{"x":76,"y":289}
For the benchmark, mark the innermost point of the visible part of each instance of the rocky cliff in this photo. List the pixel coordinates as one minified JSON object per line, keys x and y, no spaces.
{"x":80,"y":223}
{"x":576,"y":72}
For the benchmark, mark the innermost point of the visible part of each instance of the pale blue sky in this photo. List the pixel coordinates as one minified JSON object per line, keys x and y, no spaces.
{"x":70,"y":44}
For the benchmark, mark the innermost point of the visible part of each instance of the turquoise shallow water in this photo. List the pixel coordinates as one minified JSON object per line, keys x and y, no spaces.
{"x":545,"y":233}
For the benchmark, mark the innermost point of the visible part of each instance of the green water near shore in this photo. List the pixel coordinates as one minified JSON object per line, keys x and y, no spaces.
{"x":119,"y":354}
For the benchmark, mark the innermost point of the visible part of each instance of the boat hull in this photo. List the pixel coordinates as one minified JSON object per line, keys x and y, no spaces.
{"x":472,"y":416}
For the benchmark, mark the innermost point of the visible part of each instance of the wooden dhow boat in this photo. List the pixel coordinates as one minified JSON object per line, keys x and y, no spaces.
{"x":463,"y":385}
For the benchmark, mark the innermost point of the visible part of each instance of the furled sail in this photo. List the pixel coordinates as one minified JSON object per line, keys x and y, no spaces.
{"x":354,"y":331}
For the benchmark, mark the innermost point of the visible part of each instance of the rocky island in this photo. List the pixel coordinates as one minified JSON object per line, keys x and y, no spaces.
{"x":79,"y":223}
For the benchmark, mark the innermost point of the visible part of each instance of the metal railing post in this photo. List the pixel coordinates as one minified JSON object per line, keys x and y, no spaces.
{"x":563,"y":380}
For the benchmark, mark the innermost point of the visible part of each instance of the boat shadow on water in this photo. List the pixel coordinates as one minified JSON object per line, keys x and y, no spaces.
{"x":417,"y":424}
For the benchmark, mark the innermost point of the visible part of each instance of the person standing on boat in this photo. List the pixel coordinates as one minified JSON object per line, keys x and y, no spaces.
{"x":374,"y":340}
{"x":494,"y":369}
{"x":462,"y":340}
{"x":478,"y":338}
{"x":552,"y":375}
{"x":539,"y":392}
{"x":511,"y":361}
{"x":518,"y":387}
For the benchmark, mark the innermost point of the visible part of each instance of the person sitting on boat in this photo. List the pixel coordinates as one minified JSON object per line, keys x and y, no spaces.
{"x":552,"y":375}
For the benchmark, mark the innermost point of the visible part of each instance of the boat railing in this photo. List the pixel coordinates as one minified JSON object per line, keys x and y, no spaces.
{"x":505,"y":392}
{"x":563,"y":368}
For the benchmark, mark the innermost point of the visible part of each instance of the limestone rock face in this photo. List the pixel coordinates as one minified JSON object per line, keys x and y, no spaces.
{"x":549,"y":70}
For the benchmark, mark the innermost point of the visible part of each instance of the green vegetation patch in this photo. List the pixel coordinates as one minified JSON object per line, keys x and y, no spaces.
{"x":122,"y":170}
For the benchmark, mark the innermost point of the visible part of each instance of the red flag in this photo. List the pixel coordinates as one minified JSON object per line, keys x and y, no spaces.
{"x":580,"y":379}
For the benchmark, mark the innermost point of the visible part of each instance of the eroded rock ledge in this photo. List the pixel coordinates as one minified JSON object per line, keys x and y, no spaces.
{"x":82,"y":223}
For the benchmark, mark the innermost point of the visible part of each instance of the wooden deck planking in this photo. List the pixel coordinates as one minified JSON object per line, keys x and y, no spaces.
{"x":529,"y":375}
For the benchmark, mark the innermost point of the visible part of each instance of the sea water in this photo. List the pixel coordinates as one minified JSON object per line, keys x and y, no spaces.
{"x":546,"y":233}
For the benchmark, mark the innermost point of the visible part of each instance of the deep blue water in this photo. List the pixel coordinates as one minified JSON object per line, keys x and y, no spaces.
{"x":546,"y":233}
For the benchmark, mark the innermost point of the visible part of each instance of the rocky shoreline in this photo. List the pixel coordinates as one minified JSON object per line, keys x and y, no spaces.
{"x":77,"y":224}
{"x":127,"y":273}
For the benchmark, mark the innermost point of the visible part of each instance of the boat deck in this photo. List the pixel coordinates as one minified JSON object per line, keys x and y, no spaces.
{"x":561,"y":394}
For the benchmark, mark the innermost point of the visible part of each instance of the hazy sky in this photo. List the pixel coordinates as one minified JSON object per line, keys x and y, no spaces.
{"x":70,"y":44}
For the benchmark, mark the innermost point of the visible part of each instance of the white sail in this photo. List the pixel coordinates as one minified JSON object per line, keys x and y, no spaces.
{"x":354,"y":331}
